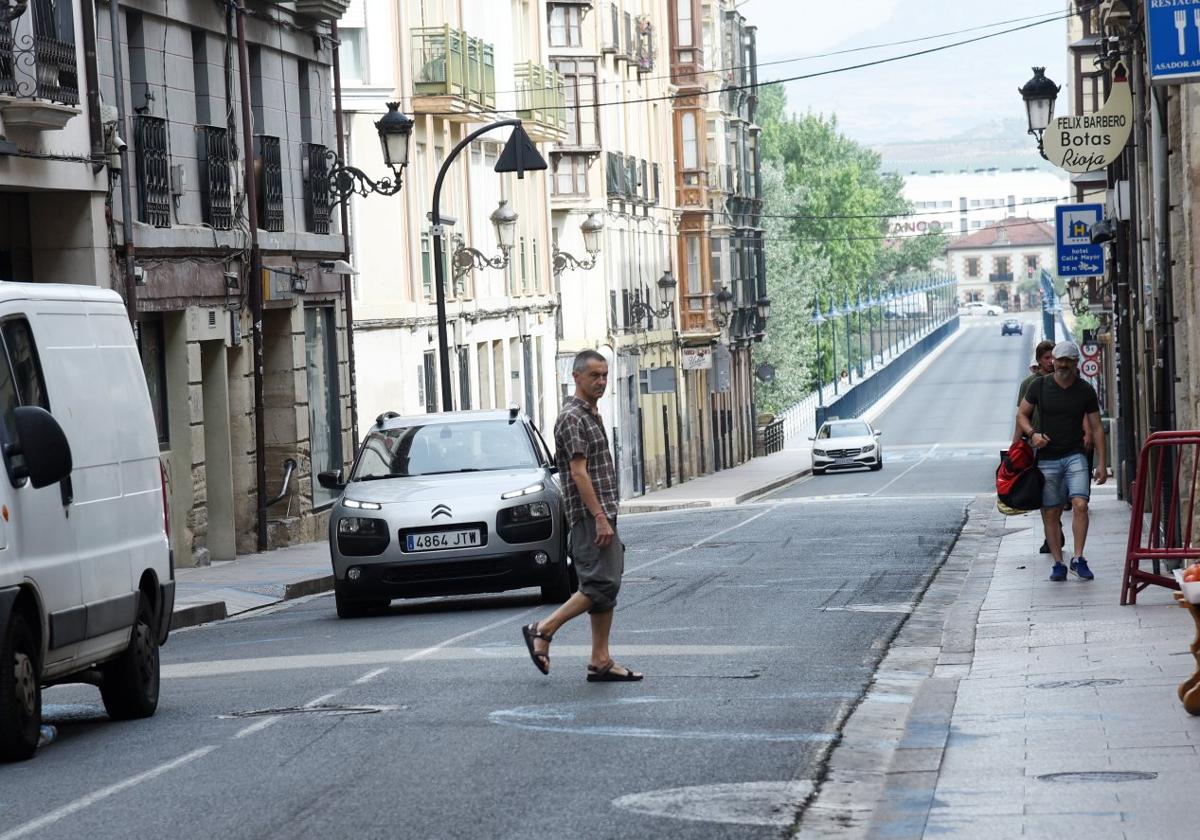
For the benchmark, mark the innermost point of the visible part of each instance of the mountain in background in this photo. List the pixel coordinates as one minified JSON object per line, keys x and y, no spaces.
{"x":1002,"y":144}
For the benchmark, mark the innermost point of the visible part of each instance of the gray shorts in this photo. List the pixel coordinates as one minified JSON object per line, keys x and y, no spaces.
{"x":599,"y":569}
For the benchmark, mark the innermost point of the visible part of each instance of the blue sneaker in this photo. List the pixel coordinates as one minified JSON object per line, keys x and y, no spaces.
{"x":1059,"y":572}
{"x":1080,"y":567}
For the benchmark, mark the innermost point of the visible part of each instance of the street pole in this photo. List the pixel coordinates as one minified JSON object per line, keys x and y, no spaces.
{"x":849,"y":357}
{"x":439,"y":281}
{"x":820,"y":371}
{"x":833,"y":346}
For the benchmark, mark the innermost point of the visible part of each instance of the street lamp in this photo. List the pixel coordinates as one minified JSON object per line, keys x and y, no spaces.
{"x":1039,"y":94}
{"x":818,"y":319}
{"x":724,"y":309}
{"x":849,"y":356}
{"x":591,"y":229}
{"x":764,"y":308}
{"x":519,"y":155}
{"x":640,"y":309}
{"x":831,"y":316}
{"x":1076,"y":293}
{"x":504,"y":219}
{"x":394,"y":129}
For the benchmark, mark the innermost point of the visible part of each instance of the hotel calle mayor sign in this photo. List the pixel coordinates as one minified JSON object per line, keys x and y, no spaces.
{"x":1092,"y":141}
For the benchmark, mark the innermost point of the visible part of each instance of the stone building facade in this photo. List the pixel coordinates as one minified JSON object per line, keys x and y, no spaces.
{"x":147,"y":194}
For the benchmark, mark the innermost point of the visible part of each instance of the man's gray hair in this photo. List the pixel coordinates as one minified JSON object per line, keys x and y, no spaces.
{"x":584,"y":357}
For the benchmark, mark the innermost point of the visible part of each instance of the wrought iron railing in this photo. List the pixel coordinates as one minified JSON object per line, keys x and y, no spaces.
{"x":316,"y":188}
{"x":216,"y":187}
{"x":153,"y":170}
{"x":270,"y":194}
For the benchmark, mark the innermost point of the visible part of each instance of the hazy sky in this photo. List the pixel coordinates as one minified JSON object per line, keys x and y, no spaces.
{"x":928,"y":97}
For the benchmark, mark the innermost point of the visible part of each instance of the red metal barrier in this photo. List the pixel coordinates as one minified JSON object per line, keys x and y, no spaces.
{"x":1167,"y":534}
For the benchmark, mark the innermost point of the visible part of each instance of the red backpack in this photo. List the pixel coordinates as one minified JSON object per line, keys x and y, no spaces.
{"x":1019,"y":482}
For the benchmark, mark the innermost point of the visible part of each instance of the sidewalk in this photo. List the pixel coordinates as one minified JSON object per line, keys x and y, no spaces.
{"x":727,"y":487}
{"x":1011,"y":706}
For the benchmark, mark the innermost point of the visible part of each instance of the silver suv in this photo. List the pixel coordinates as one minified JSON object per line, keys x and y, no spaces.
{"x":447,"y":504}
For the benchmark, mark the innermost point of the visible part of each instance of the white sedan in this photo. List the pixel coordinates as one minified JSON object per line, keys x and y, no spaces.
{"x":978,"y":308}
{"x":842,"y":444}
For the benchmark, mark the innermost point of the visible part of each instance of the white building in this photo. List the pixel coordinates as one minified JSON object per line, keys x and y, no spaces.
{"x":1000,"y":263}
{"x":967,"y":201}
{"x":454,"y":67}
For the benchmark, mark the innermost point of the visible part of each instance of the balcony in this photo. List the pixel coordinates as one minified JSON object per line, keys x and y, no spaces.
{"x":39,"y":81}
{"x":541,"y":101}
{"x":322,"y":9}
{"x":1001,"y":277}
{"x":454,"y":74}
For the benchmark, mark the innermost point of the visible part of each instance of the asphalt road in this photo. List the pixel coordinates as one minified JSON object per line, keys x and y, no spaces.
{"x":758,"y":627}
{"x":944,"y":434}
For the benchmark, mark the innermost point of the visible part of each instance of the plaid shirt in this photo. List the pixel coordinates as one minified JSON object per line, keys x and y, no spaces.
{"x":580,"y":431}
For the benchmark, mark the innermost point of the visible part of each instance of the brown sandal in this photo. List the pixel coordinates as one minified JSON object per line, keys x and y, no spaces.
{"x":604,"y":673}
{"x":541,"y":661}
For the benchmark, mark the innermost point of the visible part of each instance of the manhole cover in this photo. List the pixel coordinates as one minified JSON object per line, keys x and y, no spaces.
{"x":310,"y":710}
{"x":1099,"y":776}
{"x":1098,"y":683}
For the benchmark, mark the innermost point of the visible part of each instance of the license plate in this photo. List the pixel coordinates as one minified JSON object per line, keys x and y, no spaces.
{"x":844,"y":462}
{"x":438,"y":540}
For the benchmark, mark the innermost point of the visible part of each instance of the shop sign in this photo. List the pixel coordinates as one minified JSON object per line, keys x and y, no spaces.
{"x":1092,"y":141}
{"x":697,"y":358}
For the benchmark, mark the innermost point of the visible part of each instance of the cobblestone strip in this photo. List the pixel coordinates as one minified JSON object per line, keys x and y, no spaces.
{"x":883,"y":769}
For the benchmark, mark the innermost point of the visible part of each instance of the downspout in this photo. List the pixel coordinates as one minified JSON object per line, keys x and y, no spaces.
{"x":1165,"y":316}
{"x":344,"y":208}
{"x":92,"y":80}
{"x":255,"y":282}
{"x":127,"y":210}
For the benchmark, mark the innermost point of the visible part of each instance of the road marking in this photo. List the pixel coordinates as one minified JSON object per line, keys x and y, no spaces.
{"x":324,"y":698}
{"x":92,"y":798}
{"x":873,"y":608}
{"x":258,"y":726}
{"x":370,"y":675}
{"x":562,"y":717}
{"x":924,"y":458}
{"x":748,"y":803}
{"x":230,"y":667}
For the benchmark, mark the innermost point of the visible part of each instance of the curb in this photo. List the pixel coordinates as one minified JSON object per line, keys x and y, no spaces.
{"x":209,"y":611}
{"x":696,"y":504}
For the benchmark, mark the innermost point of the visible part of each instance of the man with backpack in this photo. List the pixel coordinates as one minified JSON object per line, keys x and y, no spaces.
{"x":1064,"y":402}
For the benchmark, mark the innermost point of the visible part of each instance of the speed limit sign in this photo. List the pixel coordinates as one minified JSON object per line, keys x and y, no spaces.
{"x":1090,"y":367}
{"x":1090,"y":350}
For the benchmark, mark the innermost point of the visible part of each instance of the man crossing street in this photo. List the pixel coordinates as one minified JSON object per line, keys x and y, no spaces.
{"x":589,"y":482}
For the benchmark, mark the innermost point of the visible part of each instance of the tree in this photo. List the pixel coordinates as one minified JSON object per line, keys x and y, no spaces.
{"x":826,"y":211}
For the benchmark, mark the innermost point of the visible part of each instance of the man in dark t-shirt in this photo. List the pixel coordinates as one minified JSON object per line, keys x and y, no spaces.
{"x":1064,"y":401}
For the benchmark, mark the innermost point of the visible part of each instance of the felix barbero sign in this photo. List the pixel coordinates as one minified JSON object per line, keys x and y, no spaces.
{"x":1090,"y":142}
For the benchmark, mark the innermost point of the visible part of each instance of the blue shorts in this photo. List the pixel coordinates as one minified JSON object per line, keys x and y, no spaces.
{"x":1066,"y":478}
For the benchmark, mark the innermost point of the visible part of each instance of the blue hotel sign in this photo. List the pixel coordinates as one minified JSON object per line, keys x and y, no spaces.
{"x":1077,"y":256}
{"x":1173,"y":40}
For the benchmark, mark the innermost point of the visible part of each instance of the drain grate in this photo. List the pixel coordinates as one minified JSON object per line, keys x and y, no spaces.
{"x":1094,"y":683}
{"x":1099,"y":776}
{"x":310,"y":710}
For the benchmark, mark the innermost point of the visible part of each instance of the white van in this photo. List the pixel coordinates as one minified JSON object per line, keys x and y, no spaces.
{"x":86,"y":574}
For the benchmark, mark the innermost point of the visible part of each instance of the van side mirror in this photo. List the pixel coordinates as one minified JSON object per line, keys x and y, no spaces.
{"x":331,"y":480}
{"x":42,"y":445}
{"x":878,"y":432}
